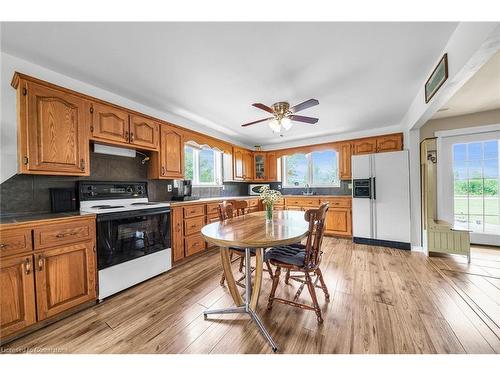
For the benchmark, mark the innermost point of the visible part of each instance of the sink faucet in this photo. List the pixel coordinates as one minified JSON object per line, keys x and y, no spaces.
{"x":308,"y":190}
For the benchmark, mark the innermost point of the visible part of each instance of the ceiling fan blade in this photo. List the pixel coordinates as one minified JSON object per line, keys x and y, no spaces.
{"x":263,"y":107}
{"x":304,"y":105}
{"x":256,"y":122}
{"x":309,"y":120}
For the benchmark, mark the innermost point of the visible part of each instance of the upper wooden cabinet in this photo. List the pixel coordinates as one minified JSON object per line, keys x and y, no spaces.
{"x":238,"y":163}
{"x":144,"y":132}
{"x":383,"y":143}
{"x":365,"y":146}
{"x":345,"y":151}
{"x":109,"y":123}
{"x":391,"y":142}
{"x":248,"y":165}
{"x":52,"y":134}
{"x":271,"y":166}
{"x":169,"y":162}
{"x":260,"y":165}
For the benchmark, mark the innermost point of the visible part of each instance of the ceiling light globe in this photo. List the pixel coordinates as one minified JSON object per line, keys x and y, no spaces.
{"x":286,"y":123}
{"x":275,"y":125}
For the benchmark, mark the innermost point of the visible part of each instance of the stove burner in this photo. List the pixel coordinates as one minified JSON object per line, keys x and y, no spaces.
{"x":144,"y":204}
{"x":106,"y":206}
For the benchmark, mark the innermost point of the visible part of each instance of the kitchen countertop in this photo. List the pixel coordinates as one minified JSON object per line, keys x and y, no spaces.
{"x":26,"y":218}
{"x":216,"y":199}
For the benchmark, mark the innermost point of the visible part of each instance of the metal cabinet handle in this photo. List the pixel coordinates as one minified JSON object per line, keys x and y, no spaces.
{"x":131,"y":137}
{"x":40,"y":263}
{"x":126,"y":136}
{"x":27,"y":266}
{"x":82,"y":164}
{"x":2,"y":245}
{"x":163,"y":171}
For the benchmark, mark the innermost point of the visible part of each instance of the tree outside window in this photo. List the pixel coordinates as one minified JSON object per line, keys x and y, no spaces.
{"x":318,"y":168}
{"x":202,"y":165}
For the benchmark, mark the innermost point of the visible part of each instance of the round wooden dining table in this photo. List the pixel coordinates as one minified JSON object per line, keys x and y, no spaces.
{"x":246,"y":232}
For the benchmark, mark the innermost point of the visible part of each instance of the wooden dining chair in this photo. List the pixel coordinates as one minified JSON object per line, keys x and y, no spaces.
{"x":303,"y":259}
{"x":229,"y":210}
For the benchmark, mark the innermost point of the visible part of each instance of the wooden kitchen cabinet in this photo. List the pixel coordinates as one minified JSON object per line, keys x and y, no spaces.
{"x":52,"y":134}
{"x":391,"y":142}
{"x":345,"y":151}
{"x":65,"y":278}
{"x":109,"y":124}
{"x":144,"y":132}
{"x":248,"y":165}
{"x":365,"y":146}
{"x":238,"y":163}
{"x":339,"y":222}
{"x":271,"y":167}
{"x":169,"y":162}
{"x":260,"y":165}
{"x":177,"y":233}
{"x":17,"y":294}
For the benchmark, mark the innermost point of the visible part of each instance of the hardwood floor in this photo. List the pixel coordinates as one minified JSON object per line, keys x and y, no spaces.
{"x":382,"y":301}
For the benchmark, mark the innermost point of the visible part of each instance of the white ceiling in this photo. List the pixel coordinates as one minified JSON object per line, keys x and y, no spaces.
{"x":480,"y":93}
{"x":364,"y":75}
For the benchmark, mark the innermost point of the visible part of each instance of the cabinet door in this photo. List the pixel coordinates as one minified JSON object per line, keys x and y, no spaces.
{"x":238,"y":164}
{"x":345,"y":161}
{"x":260,"y":166}
{"x":57,"y":139}
{"x":17,"y":295}
{"x":271,"y":167}
{"x":365,"y":146}
{"x":393,"y":142}
{"x":171,"y":153}
{"x":109,"y":124}
{"x":177,"y":234}
{"x":144,"y":132}
{"x":248,"y":165}
{"x":65,"y":278}
{"x":339,"y":222}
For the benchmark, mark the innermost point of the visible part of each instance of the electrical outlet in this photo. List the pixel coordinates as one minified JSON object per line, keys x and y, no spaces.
{"x":279,"y":187}
{"x":223,"y":187}
{"x":169,"y":188}
{"x":349,"y":185}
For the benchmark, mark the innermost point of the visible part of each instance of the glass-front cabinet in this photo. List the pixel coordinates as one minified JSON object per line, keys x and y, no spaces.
{"x":260,"y":166}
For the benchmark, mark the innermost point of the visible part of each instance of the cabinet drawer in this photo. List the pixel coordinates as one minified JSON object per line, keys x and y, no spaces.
{"x":194,"y":244}
{"x":15,"y":241}
{"x":253,"y":202}
{"x":62,"y":233}
{"x":212,"y":219}
{"x":193,"y":211}
{"x":336,"y":202}
{"x":213,"y":209}
{"x":193,"y":225}
{"x":294,"y":208}
{"x":309,"y":202}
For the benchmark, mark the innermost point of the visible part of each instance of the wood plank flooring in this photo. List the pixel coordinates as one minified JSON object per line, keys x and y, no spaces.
{"x":382,"y":301}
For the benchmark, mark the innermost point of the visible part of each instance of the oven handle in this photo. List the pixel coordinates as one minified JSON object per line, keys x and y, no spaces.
{"x":135,"y":213}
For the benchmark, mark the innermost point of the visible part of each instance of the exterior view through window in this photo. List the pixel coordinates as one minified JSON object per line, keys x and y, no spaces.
{"x":202,"y":166}
{"x":476,"y":180}
{"x":318,"y":168}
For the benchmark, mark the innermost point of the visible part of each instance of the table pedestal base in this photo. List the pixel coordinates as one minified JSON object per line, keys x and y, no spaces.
{"x":246,"y":307}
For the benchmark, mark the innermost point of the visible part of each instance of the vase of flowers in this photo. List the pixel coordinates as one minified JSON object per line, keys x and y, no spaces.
{"x":269,"y":198}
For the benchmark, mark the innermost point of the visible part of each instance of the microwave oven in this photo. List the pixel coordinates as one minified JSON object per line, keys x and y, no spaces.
{"x":254,"y":189}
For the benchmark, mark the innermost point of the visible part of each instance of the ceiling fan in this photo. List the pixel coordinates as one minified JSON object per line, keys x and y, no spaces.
{"x":283,"y":114}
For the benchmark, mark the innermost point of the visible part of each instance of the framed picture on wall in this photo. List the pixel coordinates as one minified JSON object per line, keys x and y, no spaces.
{"x":438,"y":77}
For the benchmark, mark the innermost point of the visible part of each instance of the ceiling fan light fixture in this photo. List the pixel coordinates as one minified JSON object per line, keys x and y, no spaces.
{"x":286,"y":123}
{"x":275,"y":125}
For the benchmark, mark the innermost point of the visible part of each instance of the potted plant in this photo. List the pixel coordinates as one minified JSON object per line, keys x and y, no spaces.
{"x":269,"y":198}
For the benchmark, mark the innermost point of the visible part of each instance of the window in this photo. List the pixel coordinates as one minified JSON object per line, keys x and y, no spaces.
{"x":318,"y":168}
{"x":475,"y":182}
{"x":202,"y":165}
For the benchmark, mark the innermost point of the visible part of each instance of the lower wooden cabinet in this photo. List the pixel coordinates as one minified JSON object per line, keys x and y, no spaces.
{"x":65,"y":278}
{"x":17,"y":294}
{"x":177,"y":233}
{"x":339,"y":222}
{"x":47,"y":280}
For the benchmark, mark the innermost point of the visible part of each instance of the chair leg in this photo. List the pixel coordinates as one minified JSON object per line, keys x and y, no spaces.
{"x":223,"y":277}
{"x":287,"y":277}
{"x":323,"y":285}
{"x":276,"y":280}
{"x":242,"y":260}
{"x":312,"y":291}
{"x":269,"y":269}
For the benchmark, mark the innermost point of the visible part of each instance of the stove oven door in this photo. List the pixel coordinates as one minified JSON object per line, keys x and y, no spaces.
{"x":124,"y":236}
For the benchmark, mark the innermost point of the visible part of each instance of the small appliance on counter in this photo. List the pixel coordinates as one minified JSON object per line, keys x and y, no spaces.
{"x":63,"y":200}
{"x":254,"y":189}
{"x":182,"y":191}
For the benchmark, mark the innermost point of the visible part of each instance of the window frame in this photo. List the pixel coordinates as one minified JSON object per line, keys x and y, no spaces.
{"x":196,"y":166}
{"x":309,"y":171}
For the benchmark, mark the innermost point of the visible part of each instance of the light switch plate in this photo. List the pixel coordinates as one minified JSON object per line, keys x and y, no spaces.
{"x":169,"y":188}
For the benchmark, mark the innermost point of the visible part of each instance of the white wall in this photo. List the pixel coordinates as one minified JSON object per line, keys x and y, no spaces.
{"x":8,"y":136}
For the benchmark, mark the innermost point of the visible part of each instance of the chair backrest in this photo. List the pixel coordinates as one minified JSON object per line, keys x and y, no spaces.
{"x":316,"y":219}
{"x":230,"y":209}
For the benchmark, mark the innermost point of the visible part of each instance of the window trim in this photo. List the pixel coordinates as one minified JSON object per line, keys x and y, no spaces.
{"x":196,"y":166}
{"x":309,"y":173}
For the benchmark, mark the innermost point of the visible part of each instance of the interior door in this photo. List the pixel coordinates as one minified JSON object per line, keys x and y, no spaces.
{"x":144,"y":132}
{"x":65,"y":278}
{"x":109,"y":123}
{"x":392,"y":196}
{"x":17,"y":294}
{"x":56,"y":132}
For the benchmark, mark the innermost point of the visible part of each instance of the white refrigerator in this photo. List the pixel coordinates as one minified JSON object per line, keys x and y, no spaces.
{"x":381,"y":199}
